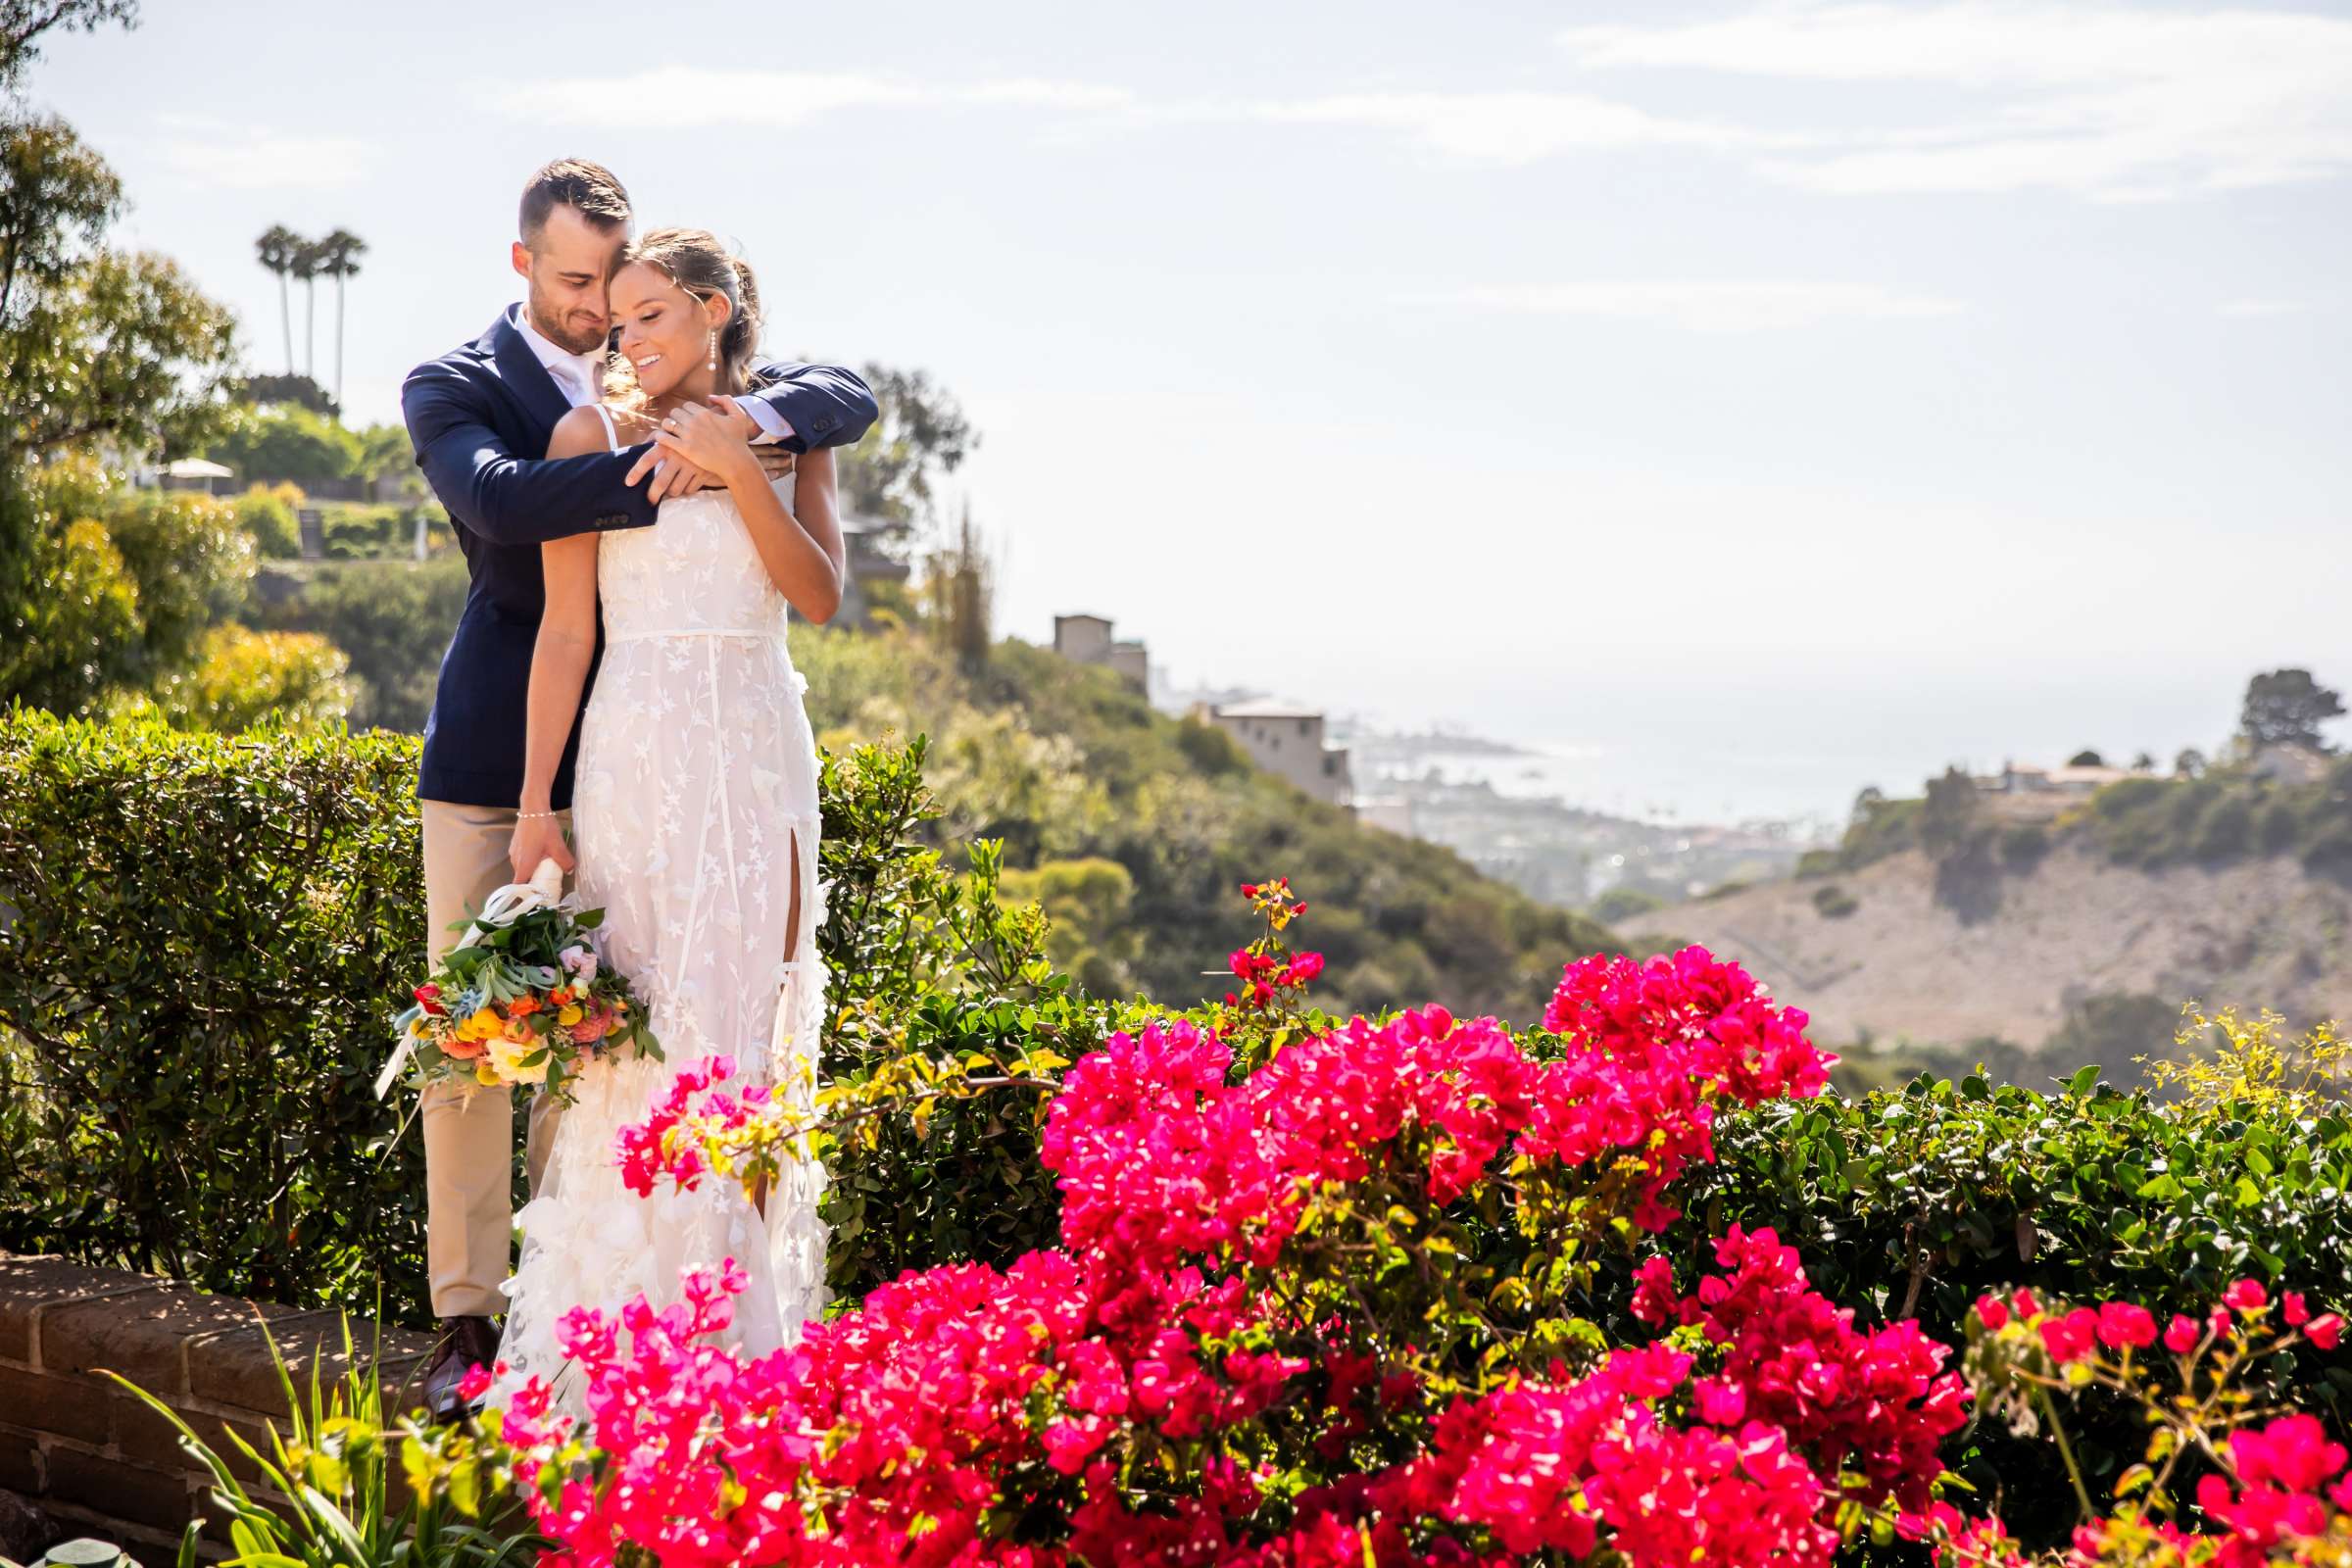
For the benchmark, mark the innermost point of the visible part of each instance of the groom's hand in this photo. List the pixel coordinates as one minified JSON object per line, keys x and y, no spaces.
{"x":673,"y":476}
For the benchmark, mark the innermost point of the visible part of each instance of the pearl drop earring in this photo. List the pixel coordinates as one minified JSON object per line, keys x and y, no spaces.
{"x":714,"y":351}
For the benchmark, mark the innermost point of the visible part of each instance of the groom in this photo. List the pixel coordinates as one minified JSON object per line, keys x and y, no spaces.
{"x":479,"y":417}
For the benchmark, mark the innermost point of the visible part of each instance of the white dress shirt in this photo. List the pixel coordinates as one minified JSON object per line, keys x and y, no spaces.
{"x":580,"y":377}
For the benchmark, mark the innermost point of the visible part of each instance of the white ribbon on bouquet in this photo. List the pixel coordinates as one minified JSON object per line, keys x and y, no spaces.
{"x":502,"y":907}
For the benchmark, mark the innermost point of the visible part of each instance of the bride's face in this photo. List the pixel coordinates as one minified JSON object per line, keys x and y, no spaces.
{"x":665,"y":332}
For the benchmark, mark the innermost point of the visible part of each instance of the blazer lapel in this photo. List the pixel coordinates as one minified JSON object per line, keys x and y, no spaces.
{"x":522,"y":371}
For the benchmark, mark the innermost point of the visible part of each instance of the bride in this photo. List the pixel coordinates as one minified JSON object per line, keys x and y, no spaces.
{"x":695,"y":811}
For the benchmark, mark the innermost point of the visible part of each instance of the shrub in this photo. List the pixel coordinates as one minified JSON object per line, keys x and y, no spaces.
{"x":1909,"y":1205}
{"x":368,"y":532}
{"x":269,"y":516}
{"x":2226,"y":831}
{"x":336,"y":1471}
{"x":126,"y":583}
{"x":1279,"y":1328}
{"x":202,"y":938}
{"x":203,"y":930}
{"x":289,"y":679}
{"x":2024,"y":845}
{"x":1621,"y":903}
{"x":1834,"y":903}
{"x":393,"y":618}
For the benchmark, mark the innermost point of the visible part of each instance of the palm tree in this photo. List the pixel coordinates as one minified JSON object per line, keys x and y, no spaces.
{"x":276,"y":250}
{"x":339,"y":259}
{"x":306,"y":267}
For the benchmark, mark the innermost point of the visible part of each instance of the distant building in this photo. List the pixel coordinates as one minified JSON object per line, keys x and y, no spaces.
{"x":2027,"y":778}
{"x":1289,"y":742}
{"x":1087,"y":640}
{"x":1392,"y":813}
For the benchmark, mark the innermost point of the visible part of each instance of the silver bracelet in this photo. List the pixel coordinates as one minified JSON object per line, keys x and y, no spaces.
{"x":526,"y":816}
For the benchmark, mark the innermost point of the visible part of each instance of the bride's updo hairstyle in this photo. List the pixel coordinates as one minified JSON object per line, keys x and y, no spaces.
{"x":697,"y":262}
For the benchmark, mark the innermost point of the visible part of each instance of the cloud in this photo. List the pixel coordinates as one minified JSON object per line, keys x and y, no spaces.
{"x":1983,"y":96}
{"x":1711,"y":304}
{"x":2257,"y":309}
{"x":215,"y":153}
{"x":2095,"y":100}
{"x":1518,"y":128}
{"x":696,"y":97}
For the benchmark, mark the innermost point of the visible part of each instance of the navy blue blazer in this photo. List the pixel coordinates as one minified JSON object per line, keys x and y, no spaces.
{"x":479,"y":419}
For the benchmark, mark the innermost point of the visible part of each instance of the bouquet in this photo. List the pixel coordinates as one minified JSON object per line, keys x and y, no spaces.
{"x":521,"y":998}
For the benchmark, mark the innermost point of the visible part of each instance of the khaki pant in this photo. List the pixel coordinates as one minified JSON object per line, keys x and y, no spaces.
{"x":469,"y":1130}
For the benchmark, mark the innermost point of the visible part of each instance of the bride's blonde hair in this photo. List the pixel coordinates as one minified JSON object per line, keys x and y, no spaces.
{"x":700,"y":263}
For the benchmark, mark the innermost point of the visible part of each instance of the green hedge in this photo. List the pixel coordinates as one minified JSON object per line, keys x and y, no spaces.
{"x":201,"y":933}
{"x":1914,"y":1202}
{"x":200,"y":937}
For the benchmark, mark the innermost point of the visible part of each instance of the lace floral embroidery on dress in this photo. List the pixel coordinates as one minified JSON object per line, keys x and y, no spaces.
{"x":696,"y":786}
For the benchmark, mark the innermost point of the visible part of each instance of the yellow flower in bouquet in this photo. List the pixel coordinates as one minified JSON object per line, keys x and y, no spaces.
{"x":508,"y":1054}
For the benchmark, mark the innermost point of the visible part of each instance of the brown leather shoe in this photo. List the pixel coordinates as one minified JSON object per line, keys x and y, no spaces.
{"x":466,"y":1343}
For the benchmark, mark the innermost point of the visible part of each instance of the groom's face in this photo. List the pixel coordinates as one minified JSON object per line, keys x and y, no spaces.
{"x":567,"y":266}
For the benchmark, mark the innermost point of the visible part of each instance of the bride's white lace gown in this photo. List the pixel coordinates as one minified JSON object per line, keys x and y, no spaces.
{"x":694,"y":820}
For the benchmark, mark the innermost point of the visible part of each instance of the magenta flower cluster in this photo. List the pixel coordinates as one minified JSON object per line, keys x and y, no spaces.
{"x":1162,"y":1390}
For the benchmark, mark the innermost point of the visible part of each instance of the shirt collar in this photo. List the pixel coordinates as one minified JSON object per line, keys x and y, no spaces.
{"x":551,"y":353}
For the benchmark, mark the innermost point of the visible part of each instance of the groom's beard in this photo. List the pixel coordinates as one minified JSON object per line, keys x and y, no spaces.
{"x":565,"y":332}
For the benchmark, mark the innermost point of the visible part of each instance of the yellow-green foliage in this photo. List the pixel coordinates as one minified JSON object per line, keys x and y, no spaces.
{"x":2257,"y":1062}
{"x":253,"y":677}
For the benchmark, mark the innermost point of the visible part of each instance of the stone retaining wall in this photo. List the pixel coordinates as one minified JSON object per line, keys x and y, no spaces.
{"x":97,"y":1460}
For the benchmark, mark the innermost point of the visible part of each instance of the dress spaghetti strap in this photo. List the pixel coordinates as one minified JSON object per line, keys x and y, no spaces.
{"x":611,"y":434}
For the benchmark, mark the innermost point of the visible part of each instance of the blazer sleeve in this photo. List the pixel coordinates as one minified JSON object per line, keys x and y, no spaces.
{"x":506,"y":499}
{"x":826,"y":404}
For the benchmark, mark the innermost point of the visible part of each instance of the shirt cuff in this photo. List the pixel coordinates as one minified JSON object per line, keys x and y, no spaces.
{"x":773,"y":426}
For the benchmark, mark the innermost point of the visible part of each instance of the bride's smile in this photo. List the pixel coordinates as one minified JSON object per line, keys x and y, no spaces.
{"x":668,"y":332}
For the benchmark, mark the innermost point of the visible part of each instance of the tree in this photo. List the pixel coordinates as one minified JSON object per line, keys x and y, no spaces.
{"x":123,"y":349}
{"x":308,"y":261}
{"x":2190,"y":763}
{"x":57,"y":198}
{"x":2086,"y":757}
{"x":960,"y":585}
{"x":922,"y":437}
{"x":339,"y":259}
{"x":2286,"y":708}
{"x":285,"y":441}
{"x":1949,"y":814}
{"x":2144,"y":763}
{"x":23,"y":22}
{"x":277,"y":250}
{"x":298,"y":390}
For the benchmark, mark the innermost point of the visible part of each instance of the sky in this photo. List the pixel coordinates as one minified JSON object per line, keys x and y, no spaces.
{"x":1751,"y":400}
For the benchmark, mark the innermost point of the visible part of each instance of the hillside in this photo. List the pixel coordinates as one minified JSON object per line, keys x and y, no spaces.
{"x":2261,"y":932}
{"x":1134,"y":830}
{"x":1952,"y":922}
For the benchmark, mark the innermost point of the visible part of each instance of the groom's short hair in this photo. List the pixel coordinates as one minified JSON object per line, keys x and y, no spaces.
{"x":573,"y":182}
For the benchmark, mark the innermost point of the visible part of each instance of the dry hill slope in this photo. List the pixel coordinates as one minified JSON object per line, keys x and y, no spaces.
{"x":2259,"y":933}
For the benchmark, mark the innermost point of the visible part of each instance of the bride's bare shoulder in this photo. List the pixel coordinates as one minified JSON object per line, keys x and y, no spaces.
{"x":582,"y":432}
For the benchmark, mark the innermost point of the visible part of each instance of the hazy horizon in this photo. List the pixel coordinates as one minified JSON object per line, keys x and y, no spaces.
{"x":1715,"y":384}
